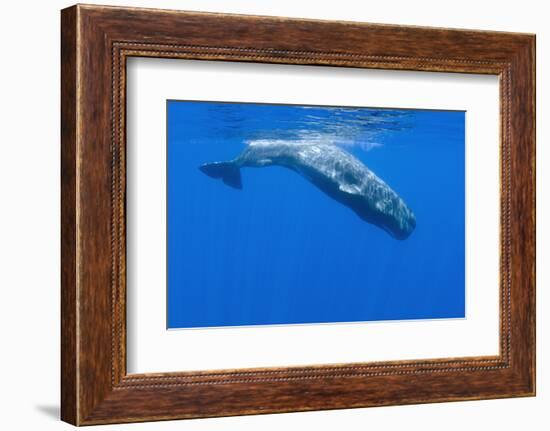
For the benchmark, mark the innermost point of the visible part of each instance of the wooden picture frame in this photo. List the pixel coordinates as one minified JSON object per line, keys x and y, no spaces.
{"x":95,"y":43}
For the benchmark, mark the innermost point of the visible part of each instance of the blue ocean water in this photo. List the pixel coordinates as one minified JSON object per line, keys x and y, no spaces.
{"x":280,"y":251}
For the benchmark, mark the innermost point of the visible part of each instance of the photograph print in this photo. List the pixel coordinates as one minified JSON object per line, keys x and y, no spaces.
{"x":300,"y":214}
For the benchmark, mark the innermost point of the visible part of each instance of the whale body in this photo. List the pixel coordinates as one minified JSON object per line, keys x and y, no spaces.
{"x":331,"y":169}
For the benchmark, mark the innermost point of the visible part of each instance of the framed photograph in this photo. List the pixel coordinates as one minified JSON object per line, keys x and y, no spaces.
{"x":264,"y":215}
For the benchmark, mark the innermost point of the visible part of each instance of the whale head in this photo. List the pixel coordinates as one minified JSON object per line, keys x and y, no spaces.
{"x":406,"y":225}
{"x":389,"y":213}
{"x":397,"y":220}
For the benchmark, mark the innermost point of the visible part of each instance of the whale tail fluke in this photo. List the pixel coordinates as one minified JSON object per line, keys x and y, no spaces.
{"x":229,"y":172}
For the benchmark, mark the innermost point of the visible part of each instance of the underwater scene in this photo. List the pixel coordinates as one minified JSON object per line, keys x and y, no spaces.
{"x":299,"y":214}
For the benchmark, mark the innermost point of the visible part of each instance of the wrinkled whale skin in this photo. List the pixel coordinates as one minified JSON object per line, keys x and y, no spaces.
{"x":331,"y":169}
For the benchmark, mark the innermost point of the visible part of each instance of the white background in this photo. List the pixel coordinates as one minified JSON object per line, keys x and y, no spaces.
{"x":151,"y":348}
{"x":29,"y":217}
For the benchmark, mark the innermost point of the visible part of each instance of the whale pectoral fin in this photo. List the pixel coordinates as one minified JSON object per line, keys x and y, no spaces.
{"x":351,"y":189}
{"x":229,"y":173}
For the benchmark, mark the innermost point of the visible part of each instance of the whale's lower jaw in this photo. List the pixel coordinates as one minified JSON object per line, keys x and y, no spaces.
{"x":400,"y":234}
{"x":398,"y":226}
{"x":398,"y":229}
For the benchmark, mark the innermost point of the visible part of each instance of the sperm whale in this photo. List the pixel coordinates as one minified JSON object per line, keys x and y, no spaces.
{"x":331,"y":169}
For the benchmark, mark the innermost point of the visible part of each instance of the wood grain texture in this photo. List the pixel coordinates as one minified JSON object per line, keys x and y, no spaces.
{"x":69,"y":367}
{"x":96,"y":41}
